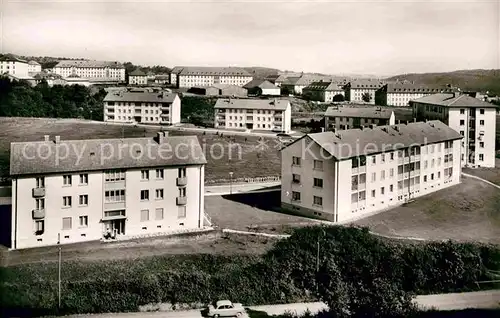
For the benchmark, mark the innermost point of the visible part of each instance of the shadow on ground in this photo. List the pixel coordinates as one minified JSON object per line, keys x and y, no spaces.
{"x":261,"y":200}
{"x":5,"y":225}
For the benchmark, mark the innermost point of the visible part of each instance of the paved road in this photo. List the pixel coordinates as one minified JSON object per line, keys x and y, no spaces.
{"x":483,"y":299}
{"x":242,"y":188}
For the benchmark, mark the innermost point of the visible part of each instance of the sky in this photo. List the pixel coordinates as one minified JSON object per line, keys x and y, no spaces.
{"x":335,"y":37}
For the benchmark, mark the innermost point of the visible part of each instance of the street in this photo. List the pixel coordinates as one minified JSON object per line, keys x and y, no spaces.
{"x":242,"y":188}
{"x":456,"y":301}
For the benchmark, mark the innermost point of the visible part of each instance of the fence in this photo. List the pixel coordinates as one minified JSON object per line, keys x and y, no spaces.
{"x":244,"y":180}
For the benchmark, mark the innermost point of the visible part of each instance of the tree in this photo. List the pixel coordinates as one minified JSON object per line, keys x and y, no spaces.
{"x":366,"y":97}
{"x":338,"y":98}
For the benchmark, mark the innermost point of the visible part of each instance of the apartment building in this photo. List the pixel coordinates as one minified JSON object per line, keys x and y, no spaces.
{"x":473,"y":118}
{"x":401,"y":93}
{"x":259,"y":87}
{"x":253,"y":114}
{"x":105,"y":187}
{"x":295,"y":85}
{"x":386,"y":166}
{"x":142,"y":107}
{"x":341,"y":118}
{"x":187,"y":76}
{"x":94,"y":71}
{"x":137,"y":77}
{"x":325,"y":91}
{"x":11,"y":65}
{"x":161,"y":79}
{"x":362,"y":90}
{"x":34,"y":67}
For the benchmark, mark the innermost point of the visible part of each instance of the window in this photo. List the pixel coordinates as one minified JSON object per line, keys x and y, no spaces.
{"x":40,"y":204}
{"x":84,"y":221}
{"x":462,"y":122}
{"x":425,"y":178}
{"x":462,"y":111}
{"x":391,"y":172}
{"x":40,"y":182}
{"x":159,"y":214}
{"x":84,"y":178}
{"x":114,"y":196}
{"x":39,"y":227}
{"x":481,"y":122}
{"x":432,"y":148}
{"x":481,"y":157}
{"x":114,"y":175}
{"x":317,"y":201}
{"x":391,"y":188}
{"x":159,"y":173}
{"x":67,"y":201}
{"x":462,"y":132}
{"x":181,"y":173}
{"x":374,"y":176}
{"x":296,"y":161}
{"x":481,"y":111}
{"x":382,"y":175}
{"x":425,"y":164}
{"x":159,"y":194}
{"x":67,"y":180}
{"x":84,"y":199}
{"x":296,"y":178}
{"x":181,"y":213}
{"x":439,"y":162}
{"x":145,"y":174}
{"x":295,"y":196}
{"x":374,"y":159}
{"x":439,"y":174}
{"x":182,"y":192}
{"x":432,"y":163}
{"x":144,"y":215}
{"x":144,"y":195}
{"x":66,"y":223}
{"x":373,"y":193}
{"x":392,"y":155}
{"x":382,"y":190}
{"x":318,"y":183}
{"x":481,"y":144}
{"x":318,"y":165}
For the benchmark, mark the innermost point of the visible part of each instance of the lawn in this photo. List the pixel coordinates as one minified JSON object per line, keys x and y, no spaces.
{"x":246,"y":156}
{"x":490,"y":174}
{"x":469,"y":211}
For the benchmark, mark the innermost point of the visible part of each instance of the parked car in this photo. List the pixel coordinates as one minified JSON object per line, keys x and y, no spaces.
{"x":224,"y":308}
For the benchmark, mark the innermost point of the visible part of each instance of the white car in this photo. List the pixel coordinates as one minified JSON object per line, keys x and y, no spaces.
{"x":224,"y":308}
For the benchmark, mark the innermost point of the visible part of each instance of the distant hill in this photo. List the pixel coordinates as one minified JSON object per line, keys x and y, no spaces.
{"x":261,"y":72}
{"x":476,"y":80}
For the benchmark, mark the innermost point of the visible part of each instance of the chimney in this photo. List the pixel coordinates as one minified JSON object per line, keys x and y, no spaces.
{"x":46,"y":137}
{"x":160,"y":137}
{"x":58,"y":139}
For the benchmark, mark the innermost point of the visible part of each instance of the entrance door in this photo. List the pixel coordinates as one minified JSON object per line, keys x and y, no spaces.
{"x":118,"y":226}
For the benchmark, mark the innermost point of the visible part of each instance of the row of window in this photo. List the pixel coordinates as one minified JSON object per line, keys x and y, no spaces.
{"x":241,"y":125}
{"x":317,"y":201}
{"x":317,"y":182}
{"x":119,"y":175}
{"x":138,"y":104}
{"x":462,"y":111}
{"x":138,"y":111}
{"x":67,"y":224}
{"x":462,"y":122}
{"x":251,"y":111}
{"x":250,"y":118}
{"x":317,"y":164}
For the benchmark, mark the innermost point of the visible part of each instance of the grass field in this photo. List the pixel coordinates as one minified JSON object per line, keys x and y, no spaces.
{"x":469,"y":211}
{"x":247,"y":154}
{"x":490,"y":174}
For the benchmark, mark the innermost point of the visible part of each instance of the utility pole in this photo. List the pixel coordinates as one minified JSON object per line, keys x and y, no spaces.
{"x":59,"y":271}
{"x":317,"y":264}
{"x":231,"y":182}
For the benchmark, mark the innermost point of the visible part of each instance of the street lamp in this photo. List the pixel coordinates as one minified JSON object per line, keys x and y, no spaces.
{"x":59,"y":271}
{"x":231,"y":182}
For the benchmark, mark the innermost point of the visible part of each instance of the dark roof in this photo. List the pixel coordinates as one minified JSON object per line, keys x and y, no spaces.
{"x":365,"y":84}
{"x":32,"y":62}
{"x":260,"y":83}
{"x":140,"y":96}
{"x":362,"y":112}
{"x":408,"y":88}
{"x":307,"y":79}
{"x":325,"y":86}
{"x":351,"y":143}
{"x":271,"y":104}
{"x":137,"y":72}
{"x":453,"y":100}
{"x":202,"y":70}
{"x":27,"y":158}
{"x":161,"y":77}
{"x":88,"y":63}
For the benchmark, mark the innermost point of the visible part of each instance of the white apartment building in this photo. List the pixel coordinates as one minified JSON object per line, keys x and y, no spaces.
{"x":34,"y":67}
{"x":95,"y":71}
{"x":385,"y":166}
{"x":356,"y":90}
{"x":324,"y":91}
{"x":254,"y":114}
{"x":473,"y":118}
{"x":401,"y":93}
{"x":137,"y":77}
{"x":340,"y":118}
{"x":186,"y":76}
{"x":117,"y":187}
{"x":142,"y":107}
{"x":11,"y":65}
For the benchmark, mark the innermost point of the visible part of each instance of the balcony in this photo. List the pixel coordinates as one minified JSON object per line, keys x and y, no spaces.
{"x":181,"y":200}
{"x":181,"y":181}
{"x":38,"y":192}
{"x":38,"y":214}
{"x":164,"y":115}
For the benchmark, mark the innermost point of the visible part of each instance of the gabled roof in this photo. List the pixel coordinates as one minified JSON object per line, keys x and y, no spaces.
{"x":325,"y":86}
{"x":308,"y":79}
{"x":88,"y":64}
{"x":352,"y":143}
{"x":137,"y":72}
{"x":225,"y":86}
{"x":362,"y":112}
{"x":365,"y":84}
{"x":259,"y":83}
{"x":209,"y":71}
{"x":269,"y":104}
{"x":32,"y":62}
{"x":140,"y":96}
{"x":39,"y":157}
{"x":453,"y":100}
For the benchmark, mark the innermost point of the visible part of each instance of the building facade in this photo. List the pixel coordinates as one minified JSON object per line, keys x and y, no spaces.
{"x":400,"y":94}
{"x":137,"y":77}
{"x":254,"y":114}
{"x":258,"y":87}
{"x":104,"y":188}
{"x":142,"y":107}
{"x":362,"y":91}
{"x":341,"y":118}
{"x":34,"y":67}
{"x":220,"y":90}
{"x":295,"y":85}
{"x":473,"y":118}
{"x":99,"y":71}
{"x":386,"y":166}
{"x":325,"y":91}
{"x":184,"y":76}
{"x":11,"y":65}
